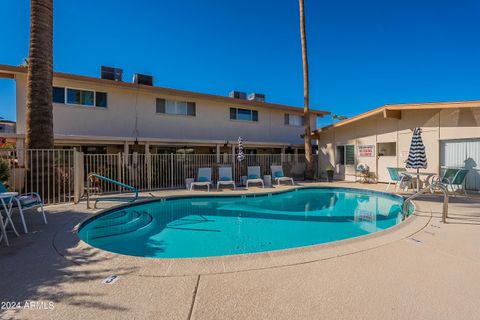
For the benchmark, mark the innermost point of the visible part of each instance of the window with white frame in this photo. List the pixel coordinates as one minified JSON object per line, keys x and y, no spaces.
{"x":87,"y":98}
{"x":243,"y":114}
{"x":294,"y":120}
{"x":346,"y":154}
{"x":182,"y":108}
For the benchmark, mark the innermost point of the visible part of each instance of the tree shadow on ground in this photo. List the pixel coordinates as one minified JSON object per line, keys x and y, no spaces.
{"x":32,"y":270}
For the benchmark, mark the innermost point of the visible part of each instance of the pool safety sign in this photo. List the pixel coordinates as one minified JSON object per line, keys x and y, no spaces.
{"x":366,"y":151}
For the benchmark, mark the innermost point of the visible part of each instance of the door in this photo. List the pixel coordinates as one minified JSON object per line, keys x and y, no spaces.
{"x":386,"y":157}
{"x":462,"y":154}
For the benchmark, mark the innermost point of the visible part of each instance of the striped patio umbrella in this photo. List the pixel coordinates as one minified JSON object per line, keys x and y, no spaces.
{"x":417,"y":159}
{"x":240,"y":155}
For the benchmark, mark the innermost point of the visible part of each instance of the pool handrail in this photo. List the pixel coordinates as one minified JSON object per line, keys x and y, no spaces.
{"x":431,"y":187}
{"x":123,"y":185}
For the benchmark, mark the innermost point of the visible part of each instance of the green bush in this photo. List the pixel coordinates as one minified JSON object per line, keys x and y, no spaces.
{"x":4,"y":170}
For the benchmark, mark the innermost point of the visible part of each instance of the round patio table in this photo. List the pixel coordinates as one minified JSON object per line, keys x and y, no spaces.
{"x":418,"y":174}
{"x":6,"y":199}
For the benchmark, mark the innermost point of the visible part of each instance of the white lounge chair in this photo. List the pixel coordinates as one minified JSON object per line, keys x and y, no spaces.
{"x":24,"y":202}
{"x":225,"y":177}
{"x":254,"y":176}
{"x":204,"y":178}
{"x":278,"y":176}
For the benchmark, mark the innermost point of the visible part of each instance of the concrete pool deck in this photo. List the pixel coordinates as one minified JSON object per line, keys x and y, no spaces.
{"x":420,"y":269}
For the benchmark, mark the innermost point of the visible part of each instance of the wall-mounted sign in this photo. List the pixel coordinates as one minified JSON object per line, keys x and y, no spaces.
{"x":366,"y":151}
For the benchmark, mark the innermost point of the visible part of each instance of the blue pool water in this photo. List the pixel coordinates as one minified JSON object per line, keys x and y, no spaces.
{"x":218,"y":225}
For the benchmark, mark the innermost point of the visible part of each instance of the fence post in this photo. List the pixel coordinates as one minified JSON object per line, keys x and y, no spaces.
{"x":119,"y":170}
{"x":171,"y":171}
{"x":78,"y":176}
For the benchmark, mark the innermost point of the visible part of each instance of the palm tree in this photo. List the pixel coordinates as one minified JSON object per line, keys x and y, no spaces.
{"x":39,"y":114}
{"x":306,"y":97}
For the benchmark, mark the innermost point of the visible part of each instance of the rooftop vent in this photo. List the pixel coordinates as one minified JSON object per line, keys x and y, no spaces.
{"x":256,"y":97}
{"x":238,"y":95}
{"x":144,"y":79}
{"x":110,"y":73}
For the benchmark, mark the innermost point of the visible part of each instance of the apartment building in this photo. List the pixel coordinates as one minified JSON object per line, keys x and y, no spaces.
{"x":109,"y":115}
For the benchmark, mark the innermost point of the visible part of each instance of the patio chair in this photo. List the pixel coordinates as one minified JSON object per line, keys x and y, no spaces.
{"x":253,"y":176}
{"x":204,"y":178}
{"x":225,"y":177}
{"x":24,"y":202}
{"x":400,"y":178}
{"x":278,"y":176}
{"x":454,"y":178}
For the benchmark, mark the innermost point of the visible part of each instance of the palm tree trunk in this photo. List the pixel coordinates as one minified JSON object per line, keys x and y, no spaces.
{"x":39,"y":114}
{"x":306,"y":97}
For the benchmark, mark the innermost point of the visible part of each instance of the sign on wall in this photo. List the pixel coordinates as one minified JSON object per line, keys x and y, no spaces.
{"x":366,"y":151}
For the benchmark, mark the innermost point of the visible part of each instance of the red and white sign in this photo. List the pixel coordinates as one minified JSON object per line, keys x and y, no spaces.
{"x":366,"y":151}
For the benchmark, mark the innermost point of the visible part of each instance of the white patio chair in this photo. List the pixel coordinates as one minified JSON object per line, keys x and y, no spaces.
{"x":24,"y":202}
{"x":278,"y":176}
{"x":204,"y":178}
{"x":253,"y":176}
{"x":225,"y":177}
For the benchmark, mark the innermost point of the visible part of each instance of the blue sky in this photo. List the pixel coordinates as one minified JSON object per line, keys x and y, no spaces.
{"x":362,"y":53}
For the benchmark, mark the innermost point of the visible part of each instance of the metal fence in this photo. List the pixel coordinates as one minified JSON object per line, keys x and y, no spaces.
{"x":170,"y":171}
{"x":59,"y":175}
{"x":47,"y":172}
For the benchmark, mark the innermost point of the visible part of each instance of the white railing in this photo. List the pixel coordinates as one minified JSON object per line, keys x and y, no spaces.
{"x":60,"y":176}
{"x":47,"y":172}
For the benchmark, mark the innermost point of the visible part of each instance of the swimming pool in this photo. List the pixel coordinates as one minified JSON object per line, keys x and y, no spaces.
{"x":227,"y":225}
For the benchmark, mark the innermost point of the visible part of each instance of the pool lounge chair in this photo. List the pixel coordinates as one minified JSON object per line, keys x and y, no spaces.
{"x":278,"y":176}
{"x":225,"y":177}
{"x":454,"y":178}
{"x":253,"y":176}
{"x":400,"y":178}
{"x":24,"y":202}
{"x":204,"y":178}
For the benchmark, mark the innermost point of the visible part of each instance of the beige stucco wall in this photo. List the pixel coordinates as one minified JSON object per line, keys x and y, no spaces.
{"x":437,"y":125}
{"x":118,"y":120}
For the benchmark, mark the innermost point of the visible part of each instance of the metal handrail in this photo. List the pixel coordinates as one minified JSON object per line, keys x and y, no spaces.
{"x":435,"y":185}
{"x":89,"y":181}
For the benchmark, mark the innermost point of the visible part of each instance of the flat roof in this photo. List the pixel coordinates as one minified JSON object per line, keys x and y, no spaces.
{"x":7,"y":71}
{"x":405,"y":106}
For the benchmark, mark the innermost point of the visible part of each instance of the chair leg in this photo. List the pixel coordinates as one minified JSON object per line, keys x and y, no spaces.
{"x":20,"y":210}
{"x":388,"y":185}
{"x":43,"y":213}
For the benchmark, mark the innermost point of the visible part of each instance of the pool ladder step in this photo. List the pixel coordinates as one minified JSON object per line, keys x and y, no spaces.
{"x":138,"y":220}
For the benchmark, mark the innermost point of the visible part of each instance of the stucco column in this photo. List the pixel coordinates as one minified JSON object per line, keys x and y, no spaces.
{"x":295,"y":155}
{"x":125,"y":152}
{"x":218,"y":153}
{"x":20,"y":144}
{"x":282,"y":155}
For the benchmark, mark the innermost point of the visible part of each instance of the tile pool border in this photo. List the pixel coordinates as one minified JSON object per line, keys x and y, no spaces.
{"x":168,"y":267}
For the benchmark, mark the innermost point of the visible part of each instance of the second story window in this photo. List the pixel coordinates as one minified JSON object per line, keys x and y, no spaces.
{"x":85,"y":98}
{"x":243,"y":114}
{"x":294,"y":120}
{"x":182,"y":108}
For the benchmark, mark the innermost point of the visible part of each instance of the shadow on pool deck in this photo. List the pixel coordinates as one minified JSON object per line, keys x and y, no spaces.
{"x":33,"y":271}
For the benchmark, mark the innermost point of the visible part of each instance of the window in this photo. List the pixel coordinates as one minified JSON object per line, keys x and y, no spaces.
{"x":81,"y":97}
{"x":346,"y":155}
{"x":243,"y":114}
{"x":58,"y":95}
{"x":182,"y":108}
{"x":294,"y":120}
{"x":387,"y":149}
{"x":101,"y":99}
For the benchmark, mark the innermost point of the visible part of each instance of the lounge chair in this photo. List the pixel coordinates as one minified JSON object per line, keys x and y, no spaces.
{"x":454,"y":178}
{"x":24,"y":202}
{"x":278,"y":176}
{"x":204,"y":178}
{"x":225,"y":177}
{"x":400,"y":178}
{"x":253,"y":176}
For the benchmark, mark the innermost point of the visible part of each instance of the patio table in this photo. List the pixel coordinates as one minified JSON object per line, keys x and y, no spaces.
{"x":6,"y":199}
{"x":418,"y":174}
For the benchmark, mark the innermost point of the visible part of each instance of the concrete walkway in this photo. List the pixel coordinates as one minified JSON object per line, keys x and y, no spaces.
{"x":421,"y":270}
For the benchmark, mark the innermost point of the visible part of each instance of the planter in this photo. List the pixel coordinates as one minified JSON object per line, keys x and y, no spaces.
{"x":330,"y":176}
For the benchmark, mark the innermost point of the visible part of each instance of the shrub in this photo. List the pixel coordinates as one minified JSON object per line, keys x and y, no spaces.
{"x":4,"y":170}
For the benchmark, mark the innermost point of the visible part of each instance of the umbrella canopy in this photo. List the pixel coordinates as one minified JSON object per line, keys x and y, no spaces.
{"x":240,"y":155}
{"x":417,"y":159}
